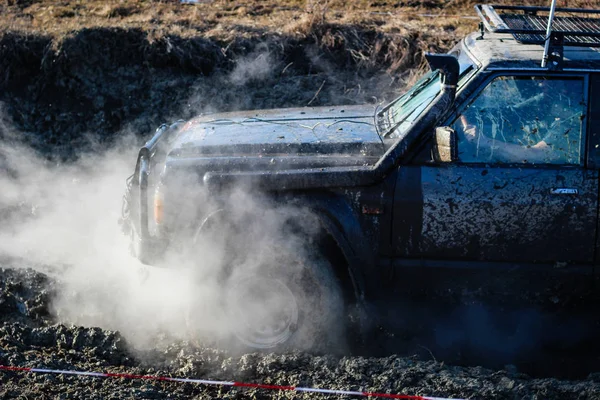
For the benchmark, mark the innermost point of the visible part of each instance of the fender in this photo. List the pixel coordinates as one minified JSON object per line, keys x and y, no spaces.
{"x":339,"y":220}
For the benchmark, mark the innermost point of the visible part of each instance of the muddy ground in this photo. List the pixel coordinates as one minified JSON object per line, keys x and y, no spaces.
{"x":76,"y":77}
{"x":29,"y":337}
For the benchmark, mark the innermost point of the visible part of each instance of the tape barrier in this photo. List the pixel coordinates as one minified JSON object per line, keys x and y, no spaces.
{"x":220,"y":383}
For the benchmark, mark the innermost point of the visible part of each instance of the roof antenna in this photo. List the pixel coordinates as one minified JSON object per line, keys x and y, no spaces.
{"x":548,"y":34}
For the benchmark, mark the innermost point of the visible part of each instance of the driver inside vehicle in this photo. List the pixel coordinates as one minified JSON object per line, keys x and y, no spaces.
{"x":523,"y":120}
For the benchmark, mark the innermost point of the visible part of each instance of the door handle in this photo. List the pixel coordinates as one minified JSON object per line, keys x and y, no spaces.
{"x":564,"y":191}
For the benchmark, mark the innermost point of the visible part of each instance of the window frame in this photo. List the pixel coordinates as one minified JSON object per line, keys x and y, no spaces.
{"x":483,"y":84}
{"x":593,"y":127}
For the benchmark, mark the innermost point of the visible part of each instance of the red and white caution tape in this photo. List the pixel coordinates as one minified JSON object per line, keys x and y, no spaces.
{"x":220,"y":383}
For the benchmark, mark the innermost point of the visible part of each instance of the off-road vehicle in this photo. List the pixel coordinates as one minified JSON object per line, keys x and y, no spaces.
{"x":490,"y":160}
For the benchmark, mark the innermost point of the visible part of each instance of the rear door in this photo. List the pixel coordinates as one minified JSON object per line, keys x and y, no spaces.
{"x":521,"y":191}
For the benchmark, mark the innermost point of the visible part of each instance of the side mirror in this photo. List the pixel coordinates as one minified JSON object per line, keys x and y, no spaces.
{"x":445,"y":145}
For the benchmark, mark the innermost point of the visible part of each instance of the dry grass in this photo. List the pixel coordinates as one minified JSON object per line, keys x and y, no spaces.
{"x":434,"y":21}
{"x":218,"y":19}
{"x":223,"y":18}
{"x":226,"y":20}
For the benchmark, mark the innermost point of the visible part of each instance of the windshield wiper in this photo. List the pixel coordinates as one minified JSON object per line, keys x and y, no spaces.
{"x":416,"y":92}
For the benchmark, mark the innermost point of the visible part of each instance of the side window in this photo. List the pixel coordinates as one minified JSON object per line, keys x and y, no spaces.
{"x":516,"y":119}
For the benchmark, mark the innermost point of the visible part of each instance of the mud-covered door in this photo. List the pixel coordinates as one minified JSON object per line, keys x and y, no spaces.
{"x":520,"y":192}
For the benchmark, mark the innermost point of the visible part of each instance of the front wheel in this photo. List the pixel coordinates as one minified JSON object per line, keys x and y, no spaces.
{"x":289,"y":304}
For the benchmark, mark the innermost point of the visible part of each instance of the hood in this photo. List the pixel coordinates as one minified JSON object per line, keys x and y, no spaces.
{"x":296,"y":137}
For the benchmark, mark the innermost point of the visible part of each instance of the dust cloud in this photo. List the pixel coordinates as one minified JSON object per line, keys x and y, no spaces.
{"x":258,"y":65}
{"x":62,"y":219}
{"x":65,"y":216}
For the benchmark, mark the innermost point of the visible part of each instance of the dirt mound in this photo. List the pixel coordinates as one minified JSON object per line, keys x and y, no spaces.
{"x":24,"y":296}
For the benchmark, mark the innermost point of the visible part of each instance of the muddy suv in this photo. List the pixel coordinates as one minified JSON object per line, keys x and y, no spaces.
{"x":306,"y":215}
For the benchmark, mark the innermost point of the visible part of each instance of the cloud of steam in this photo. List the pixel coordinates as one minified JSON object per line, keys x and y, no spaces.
{"x":63,"y":218}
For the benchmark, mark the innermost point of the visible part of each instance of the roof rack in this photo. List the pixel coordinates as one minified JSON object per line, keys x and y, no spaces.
{"x":530,"y":28}
{"x":573,"y":27}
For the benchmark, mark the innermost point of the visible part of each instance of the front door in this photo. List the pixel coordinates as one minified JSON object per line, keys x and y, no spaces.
{"x":520,"y":192}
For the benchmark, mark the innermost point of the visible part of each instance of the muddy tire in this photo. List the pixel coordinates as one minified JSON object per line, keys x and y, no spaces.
{"x":288,"y":304}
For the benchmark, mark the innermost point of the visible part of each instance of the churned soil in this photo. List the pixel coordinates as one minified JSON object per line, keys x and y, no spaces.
{"x":28,"y":338}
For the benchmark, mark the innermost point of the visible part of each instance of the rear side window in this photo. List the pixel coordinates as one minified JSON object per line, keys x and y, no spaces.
{"x":517,"y":119}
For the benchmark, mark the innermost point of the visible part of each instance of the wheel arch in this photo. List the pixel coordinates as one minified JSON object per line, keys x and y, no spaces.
{"x":342,"y":240}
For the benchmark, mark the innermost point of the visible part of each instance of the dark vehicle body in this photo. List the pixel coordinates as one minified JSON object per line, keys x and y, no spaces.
{"x":385,"y":198}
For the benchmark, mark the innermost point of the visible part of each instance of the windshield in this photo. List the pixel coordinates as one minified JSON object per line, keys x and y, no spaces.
{"x":404,"y":110}
{"x":401,"y":113}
